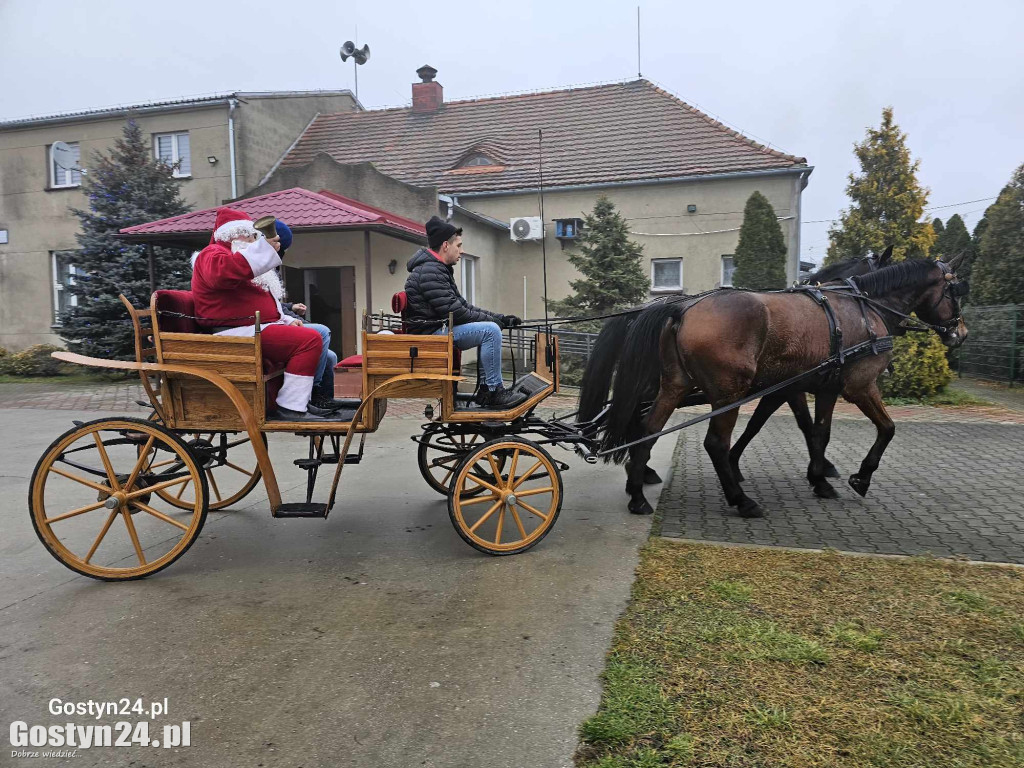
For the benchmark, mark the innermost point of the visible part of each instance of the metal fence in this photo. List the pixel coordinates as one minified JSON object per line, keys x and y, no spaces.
{"x":994,"y":348}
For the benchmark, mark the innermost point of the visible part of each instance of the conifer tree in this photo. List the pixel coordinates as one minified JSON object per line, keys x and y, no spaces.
{"x":953,"y":240}
{"x":999,"y":270}
{"x":127,"y":187}
{"x":761,"y":253}
{"x":888,"y":202}
{"x":611,"y":265}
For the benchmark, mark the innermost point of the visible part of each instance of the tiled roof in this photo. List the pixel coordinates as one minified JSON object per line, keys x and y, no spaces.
{"x":631,"y":131}
{"x":299,"y":208}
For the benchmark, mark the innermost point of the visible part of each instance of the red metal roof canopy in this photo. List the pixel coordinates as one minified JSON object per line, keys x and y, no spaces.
{"x":299,"y":208}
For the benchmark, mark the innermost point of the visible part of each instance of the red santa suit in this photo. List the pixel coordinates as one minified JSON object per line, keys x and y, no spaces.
{"x":227,"y":300}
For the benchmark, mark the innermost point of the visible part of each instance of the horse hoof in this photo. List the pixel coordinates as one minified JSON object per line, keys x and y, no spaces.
{"x":642,"y":508}
{"x":824,"y":490}
{"x":751,"y":508}
{"x":859,"y":484}
{"x":651,"y":477}
{"x":831,"y":471}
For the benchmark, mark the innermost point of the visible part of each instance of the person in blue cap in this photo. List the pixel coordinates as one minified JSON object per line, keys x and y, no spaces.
{"x":323,"y":380}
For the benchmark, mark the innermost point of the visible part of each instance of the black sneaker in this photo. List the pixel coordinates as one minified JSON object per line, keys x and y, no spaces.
{"x":323,"y":413}
{"x":499,"y":399}
{"x":326,"y":403}
{"x":286,"y":414}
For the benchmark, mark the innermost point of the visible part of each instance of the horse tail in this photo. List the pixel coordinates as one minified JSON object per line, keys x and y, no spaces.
{"x":638,"y":376}
{"x":597,"y":378}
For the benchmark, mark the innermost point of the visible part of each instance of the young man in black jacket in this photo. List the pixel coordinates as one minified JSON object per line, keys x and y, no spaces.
{"x":432,"y":295}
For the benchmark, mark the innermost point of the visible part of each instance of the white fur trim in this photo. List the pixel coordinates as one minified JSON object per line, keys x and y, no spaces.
{"x":225,"y":233}
{"x":192,"y":261}
{"x":295,"y":392}
{"x":261,"y":256}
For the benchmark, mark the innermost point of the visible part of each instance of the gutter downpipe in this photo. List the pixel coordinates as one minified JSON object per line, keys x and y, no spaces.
{"x":799,"y":185}
{"x":232,"y":104}
{"x":450,"y":201}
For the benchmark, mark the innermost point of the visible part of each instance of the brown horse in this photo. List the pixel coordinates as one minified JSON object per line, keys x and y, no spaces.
{"x":609,"y":345}
{"x":736,"y":343}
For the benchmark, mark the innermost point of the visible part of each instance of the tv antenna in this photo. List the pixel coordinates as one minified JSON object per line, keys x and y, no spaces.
{"x":358,"y":55}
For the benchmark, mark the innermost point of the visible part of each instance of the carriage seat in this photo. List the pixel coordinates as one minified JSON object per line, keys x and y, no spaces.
{"x":170,"y":305}
{"x":400,"y":306}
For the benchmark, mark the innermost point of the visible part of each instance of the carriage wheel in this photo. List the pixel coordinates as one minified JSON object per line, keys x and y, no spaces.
{"x":229,"y":478}
{"x":438,"y":465}
{"x":517,"y":506}
{"x":96,"y":504}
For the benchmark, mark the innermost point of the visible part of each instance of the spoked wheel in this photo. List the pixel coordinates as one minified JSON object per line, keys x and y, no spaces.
{"x":97,"y":498}
{"x":229,"y":477}
{"x":516,"y":507}
{"x":441,"y":453}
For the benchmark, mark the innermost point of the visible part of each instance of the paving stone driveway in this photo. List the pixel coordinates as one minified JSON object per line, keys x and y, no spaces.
{"x":949,"y":487}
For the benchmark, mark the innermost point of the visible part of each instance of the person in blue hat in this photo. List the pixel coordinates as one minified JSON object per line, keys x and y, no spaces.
{"x":323,"y":381}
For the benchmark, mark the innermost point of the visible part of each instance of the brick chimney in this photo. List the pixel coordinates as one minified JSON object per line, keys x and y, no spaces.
{"x":427,"y":96}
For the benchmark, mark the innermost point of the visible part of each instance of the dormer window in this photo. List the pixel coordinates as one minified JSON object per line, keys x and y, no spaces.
{"x":477,"y":159}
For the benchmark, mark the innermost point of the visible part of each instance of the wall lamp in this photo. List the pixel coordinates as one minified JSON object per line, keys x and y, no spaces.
{"x":211,"y":159}
{"x":392,"y":265}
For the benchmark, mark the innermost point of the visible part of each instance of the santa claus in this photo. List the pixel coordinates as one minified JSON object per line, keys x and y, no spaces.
{"x":230,"y":282}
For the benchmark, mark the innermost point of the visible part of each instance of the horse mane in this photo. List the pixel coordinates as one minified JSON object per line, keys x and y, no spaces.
{"x":893,"y":278}
{"x":835,"y":271}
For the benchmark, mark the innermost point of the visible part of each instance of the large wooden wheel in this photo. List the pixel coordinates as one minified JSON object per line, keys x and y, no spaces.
{"x":96,"y":504}
{"x":519,"y":501}
{"x":440,"y":453}
{"x":229,"y":478}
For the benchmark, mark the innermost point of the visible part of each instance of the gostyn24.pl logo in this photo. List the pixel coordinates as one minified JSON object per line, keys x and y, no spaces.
{"x":120,"y":734}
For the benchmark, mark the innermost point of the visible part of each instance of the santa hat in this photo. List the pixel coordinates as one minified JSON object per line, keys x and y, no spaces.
{"x":230,"y":224}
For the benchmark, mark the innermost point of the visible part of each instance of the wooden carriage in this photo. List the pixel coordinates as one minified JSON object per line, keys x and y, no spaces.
{"x":210,"y":395}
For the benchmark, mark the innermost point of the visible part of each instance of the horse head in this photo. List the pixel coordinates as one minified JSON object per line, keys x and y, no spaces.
{"x":940,"y":304}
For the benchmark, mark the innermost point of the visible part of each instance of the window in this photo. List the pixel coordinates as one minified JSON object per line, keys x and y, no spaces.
{"x":173,"y":149}
{"x":728,"y":267}
{"x":469,"y":272}
{"x":63,"y":278}
{"x":666,"y":274}
{"x":62,"y":177}
{"x":568,"y":229}
{"x":477,"y":158}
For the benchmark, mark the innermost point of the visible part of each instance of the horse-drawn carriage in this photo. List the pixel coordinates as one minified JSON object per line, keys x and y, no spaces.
{"x":154,"y":480}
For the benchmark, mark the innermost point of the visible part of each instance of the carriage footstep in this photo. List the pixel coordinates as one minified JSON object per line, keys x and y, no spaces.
{"x":302,"y":509}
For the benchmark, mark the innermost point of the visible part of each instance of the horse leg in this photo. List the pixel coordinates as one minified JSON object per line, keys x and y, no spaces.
{"x":766,"y":406}
{"x":798,"y":404}
{"x":870,"y":403}
{"x":639,"y":454}
{"x":651,"y":477}
{"x":716,"y":443}
{"x":817,"y":441}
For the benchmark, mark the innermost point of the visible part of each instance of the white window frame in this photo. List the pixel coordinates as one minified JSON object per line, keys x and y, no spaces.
{"x":470,"y":161}
{"x":660,"y":288}
{"x":469,"y":277}
{"x":58,"y":286}
{"x":731,"y":257}
{"x":175,"y":152}
{"x":71,"y":173}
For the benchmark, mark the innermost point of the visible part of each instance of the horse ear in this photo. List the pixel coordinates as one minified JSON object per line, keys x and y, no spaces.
{"x":956,"y":261}
{"x":886,"y":257}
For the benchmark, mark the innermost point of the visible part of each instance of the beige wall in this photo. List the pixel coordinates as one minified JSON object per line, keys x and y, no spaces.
{"x":268,"y":125}
{"x":655,"y":209}
{"x":39,"y":219}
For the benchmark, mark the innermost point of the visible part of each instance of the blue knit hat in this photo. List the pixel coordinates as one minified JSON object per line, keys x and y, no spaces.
{"x":285,"y":233}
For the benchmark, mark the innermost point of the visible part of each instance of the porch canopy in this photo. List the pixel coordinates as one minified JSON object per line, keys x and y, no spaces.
{"x":302,"y":210}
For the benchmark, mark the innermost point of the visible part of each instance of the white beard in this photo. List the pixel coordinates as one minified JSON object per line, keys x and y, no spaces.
{"x":270,"y":282}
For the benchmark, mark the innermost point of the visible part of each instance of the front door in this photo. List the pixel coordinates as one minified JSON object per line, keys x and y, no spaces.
{"x":329,"y":294}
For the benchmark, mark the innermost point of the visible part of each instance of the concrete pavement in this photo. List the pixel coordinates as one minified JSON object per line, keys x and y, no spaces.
{"x":374,"y":638}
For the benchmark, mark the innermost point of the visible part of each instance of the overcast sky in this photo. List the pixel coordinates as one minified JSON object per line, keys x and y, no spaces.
{"x":808,"y":77}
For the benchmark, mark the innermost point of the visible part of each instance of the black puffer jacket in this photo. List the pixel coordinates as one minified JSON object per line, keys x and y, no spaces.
{"x":432,"y":294}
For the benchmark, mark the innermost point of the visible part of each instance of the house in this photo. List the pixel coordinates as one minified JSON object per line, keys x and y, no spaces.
{"x":680,"y":178}
{"x":225,"y":145}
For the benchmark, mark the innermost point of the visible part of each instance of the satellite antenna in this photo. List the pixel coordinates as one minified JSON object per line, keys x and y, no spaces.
{"x":358,"y":55}
{"x":64,"y":157}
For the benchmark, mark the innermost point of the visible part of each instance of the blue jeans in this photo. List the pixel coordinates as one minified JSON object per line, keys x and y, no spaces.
{"x":326,"y":353}
{"x":487,"y":336}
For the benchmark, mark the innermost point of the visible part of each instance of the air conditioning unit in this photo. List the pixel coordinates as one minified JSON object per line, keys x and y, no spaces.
{"x":527,"y":228}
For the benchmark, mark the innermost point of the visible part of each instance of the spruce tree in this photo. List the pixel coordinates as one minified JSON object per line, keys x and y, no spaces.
{"x":611,"y":265}
{"x":999,"y":270}
{"x":888,"y":202}
{"x":761,"y":253}
{"x":952,"y":241}
{"x":127,"y":187}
